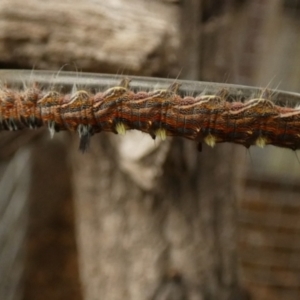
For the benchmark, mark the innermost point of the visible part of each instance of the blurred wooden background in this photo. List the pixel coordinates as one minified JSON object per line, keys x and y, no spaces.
{"x":130,"y":218}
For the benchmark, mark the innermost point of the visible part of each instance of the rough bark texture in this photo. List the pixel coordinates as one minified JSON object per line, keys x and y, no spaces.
{"x":104,"y":36}
{"x":145,"y":210}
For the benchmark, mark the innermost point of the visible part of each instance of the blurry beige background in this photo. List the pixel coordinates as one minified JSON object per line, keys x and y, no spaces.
{"x":133,"y":219}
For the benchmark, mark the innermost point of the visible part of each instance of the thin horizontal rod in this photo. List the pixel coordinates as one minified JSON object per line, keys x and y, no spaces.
{"x":67,"y":80}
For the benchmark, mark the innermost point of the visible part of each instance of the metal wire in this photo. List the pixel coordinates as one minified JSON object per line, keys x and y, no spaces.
{"x":66,"y":80}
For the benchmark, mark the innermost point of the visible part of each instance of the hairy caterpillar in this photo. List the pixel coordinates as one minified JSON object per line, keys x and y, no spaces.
{"x":210,"y":118}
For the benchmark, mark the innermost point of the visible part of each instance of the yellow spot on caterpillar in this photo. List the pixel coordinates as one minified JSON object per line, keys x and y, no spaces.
{"x":261,"y":142}
{"x":120,"y":128}
{"x":161,"y":133}
{"x":210,"y":140}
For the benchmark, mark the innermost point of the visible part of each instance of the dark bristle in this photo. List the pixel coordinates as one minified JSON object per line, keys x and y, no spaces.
{"x":153,"y":135}
{"x":199,"y":147}
{"x":84,"y":142}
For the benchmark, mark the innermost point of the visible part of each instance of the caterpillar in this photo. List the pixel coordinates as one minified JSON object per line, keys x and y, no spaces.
{"x":209,"y":118}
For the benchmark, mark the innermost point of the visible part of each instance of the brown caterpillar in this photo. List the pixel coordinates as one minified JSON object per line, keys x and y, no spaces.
{"x":206,"y":118}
